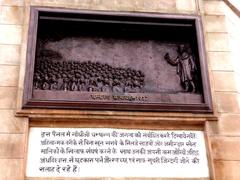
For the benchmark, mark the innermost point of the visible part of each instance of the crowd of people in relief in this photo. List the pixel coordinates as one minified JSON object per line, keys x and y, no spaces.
{"x":86,"y":76}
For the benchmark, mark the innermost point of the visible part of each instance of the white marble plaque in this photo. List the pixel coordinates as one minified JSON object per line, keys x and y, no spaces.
{"x":103,"y":152}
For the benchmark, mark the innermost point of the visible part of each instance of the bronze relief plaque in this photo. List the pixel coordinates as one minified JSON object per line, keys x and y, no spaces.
{"x":112,"y":60}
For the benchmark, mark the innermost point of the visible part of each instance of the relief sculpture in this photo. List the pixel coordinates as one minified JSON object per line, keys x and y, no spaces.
{"x":113,"y":61}
{"x":186,"y":67}
{"x":86,"y":76}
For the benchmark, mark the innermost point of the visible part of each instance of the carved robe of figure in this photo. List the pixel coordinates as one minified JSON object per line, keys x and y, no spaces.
{"x":106,"y":88}
{"x":186,"y":67}
{"x":37,"y":81}
{"x":65,"y":85}
{"x":46,"y":84}
{"x":73,"y":83}
{"x":59,"y":83}
{"x":118,"y":86}
{"x":53,"y":85}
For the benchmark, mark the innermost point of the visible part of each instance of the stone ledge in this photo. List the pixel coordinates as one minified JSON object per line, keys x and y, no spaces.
{"x":112,"y":178}
{"x":113,"y":115}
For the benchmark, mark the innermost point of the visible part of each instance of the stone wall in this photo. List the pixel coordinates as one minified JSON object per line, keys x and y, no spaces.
{"x":220,"y":26}
{"x":222,"y":29}
{"x":12,"y":129}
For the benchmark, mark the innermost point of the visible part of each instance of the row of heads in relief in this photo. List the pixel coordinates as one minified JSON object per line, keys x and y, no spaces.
{"x":86,"y":76}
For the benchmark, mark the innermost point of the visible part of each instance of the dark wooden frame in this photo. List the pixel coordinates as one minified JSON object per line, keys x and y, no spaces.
{"x":30,"y":102}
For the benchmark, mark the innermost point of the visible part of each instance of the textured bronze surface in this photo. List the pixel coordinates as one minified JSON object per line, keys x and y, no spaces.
{"x":86,"y":76}
{"x":186,"y":68}
{"x":104,"y":60}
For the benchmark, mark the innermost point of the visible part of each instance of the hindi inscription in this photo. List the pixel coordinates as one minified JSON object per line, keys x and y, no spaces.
{"x":77,"y":152}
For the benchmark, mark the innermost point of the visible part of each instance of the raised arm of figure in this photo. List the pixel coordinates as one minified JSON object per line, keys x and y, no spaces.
{"x":173,"y":62}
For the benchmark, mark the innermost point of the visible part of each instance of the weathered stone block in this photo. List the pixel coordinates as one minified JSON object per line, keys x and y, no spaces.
{"x":227,"y":170}
{"x":105,"y":5}
{"x":12,"y":146}
{"x":215,"y":23}
{"x":10,"y":123}
{"x":9,"y":75}
{"x":10,"y":54}
{"x":225,"y":148}
{"x":156,"y":6}
{"x":12,"y":2}
{"x":217,"y":42}
{"x":186,"y":6}
{"x":11,"y":15}
{"x":214,"y":7}
{"x":224,"y":81}
{"x":168,"y":6}
{"x":220,"y":61}
{"x":229,"y":124}
{"x":227,"y":102}
{"x":10,"y":34}
{"x":125,"y":5}
{"x":77,"y":4}
{"x":11,"y":169}
{"x":7,"y":97}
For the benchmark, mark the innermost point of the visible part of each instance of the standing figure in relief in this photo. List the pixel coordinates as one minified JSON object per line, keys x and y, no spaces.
{"x":186,"y":67}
